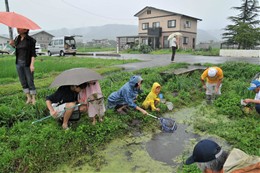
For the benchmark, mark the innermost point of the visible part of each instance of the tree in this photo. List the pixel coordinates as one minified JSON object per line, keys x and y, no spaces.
{"x":245,"y":28}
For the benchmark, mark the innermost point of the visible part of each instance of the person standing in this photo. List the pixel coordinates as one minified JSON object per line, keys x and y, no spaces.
{"x":174,"y":47}
{"x":25,"y":55}
{"x":211,"y":80}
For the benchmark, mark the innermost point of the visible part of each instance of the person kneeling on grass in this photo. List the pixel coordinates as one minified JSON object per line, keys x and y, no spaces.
{"x":211,"y":158}
{"x":125,"y":97}
{"x":64,"y":98}
{"x":254,"y":86}
{"x":152,"y":99}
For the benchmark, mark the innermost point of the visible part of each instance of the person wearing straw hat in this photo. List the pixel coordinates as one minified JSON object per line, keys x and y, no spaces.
{"x":211,"y":80}
{"x":254,"y":86}
{"x":211,"y":158}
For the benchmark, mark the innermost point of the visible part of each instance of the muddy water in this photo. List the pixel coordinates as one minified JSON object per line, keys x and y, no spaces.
{"x":145,"y":152}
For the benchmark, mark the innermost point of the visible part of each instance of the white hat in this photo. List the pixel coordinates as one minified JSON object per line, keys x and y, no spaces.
{"x":212,"y":72}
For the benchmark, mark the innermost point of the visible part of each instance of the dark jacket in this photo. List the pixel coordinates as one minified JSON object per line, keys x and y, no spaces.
{"x":30,"y":49}
{"x":63,"y":95}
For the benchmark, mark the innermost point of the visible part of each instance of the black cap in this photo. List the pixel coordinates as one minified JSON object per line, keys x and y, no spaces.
{"x":204,"y":151}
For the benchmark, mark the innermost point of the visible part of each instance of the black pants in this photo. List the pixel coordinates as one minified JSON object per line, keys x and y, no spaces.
{"x":257,"y":108}
{"x":173,"y":52}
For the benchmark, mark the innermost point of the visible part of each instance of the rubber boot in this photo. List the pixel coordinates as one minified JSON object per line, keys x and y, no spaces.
{"x":208,"y":99}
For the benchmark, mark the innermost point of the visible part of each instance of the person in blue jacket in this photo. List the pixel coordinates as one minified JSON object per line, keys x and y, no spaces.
{"x":125,"y":97}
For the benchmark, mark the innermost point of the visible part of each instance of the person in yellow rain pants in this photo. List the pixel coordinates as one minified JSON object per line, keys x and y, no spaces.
{"x":152,"y":98}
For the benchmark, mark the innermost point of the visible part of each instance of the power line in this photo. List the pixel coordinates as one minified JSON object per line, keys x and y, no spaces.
{"x":94,"y":14}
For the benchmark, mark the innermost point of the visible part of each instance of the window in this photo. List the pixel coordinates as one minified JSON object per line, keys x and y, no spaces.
{"x":185,"y":40}
{"x":156,"y":24}
{"x":187,"y":24}
{"x":56,"y":42}
{"x":171,"y":23}
{"x":148,"y":12}
{"x":145,"y":26}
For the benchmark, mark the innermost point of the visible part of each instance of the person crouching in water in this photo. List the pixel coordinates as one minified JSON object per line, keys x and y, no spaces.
{"x":152,"y":99}
{"x":125,"y":97}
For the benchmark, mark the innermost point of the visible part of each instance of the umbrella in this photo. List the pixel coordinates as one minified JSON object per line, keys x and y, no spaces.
{"x":75,"y":76}
{"x":174,"y":34}
{"x":15,"y":20}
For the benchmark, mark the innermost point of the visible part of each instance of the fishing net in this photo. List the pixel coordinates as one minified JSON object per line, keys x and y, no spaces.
{"x":168,"y":125}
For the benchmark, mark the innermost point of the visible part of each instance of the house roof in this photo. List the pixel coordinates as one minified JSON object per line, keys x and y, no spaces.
{"x":37,"y":32}
{"x":170,"y":12}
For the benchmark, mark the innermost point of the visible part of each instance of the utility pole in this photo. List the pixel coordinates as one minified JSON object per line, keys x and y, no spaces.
{"x":10,"y":29}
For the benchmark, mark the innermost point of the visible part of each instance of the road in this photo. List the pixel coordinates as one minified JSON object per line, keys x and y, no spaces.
{"x":162,"y":60}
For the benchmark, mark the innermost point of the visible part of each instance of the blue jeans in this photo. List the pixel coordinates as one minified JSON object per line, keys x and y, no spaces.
{"x":26,"y":79}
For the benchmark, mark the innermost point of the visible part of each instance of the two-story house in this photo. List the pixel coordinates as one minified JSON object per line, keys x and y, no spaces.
{"x":155,"y":25}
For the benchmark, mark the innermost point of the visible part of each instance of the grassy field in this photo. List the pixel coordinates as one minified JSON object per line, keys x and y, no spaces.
{"x":211,"y":52}
{"x":41,"y":147}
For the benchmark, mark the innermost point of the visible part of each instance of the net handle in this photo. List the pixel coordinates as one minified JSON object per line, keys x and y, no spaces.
{"x":153,"y":116}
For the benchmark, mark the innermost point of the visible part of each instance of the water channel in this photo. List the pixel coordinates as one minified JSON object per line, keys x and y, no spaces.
{"x":146,"y":152}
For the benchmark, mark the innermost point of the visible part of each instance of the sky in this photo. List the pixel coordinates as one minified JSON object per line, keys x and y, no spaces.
{"x":56,"y":14}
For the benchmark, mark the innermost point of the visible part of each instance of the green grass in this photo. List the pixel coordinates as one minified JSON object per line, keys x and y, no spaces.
{"x":46,"y":66}
{"x":96,"y":49}
{"x":41,"y":147}
{"x":211,"y":52}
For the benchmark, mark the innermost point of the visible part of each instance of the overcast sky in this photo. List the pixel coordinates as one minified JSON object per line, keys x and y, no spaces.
{"x":56,"y":14}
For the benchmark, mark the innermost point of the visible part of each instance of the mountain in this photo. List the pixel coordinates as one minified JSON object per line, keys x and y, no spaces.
{"x":99,"y":32}
{"x":112,"y":31}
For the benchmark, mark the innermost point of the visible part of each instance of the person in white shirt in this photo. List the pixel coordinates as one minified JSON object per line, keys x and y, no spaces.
{"x":174,"y":47}
{"x":255,"y":86}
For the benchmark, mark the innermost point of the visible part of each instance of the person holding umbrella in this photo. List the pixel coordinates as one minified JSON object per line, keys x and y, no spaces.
{"x":25,"y":50}
{"x":65,"y":98}
{"x":25,"y":55}
{"x":174,"y":47}
{"x":125,"y":97}
{"x":70,"y":83}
